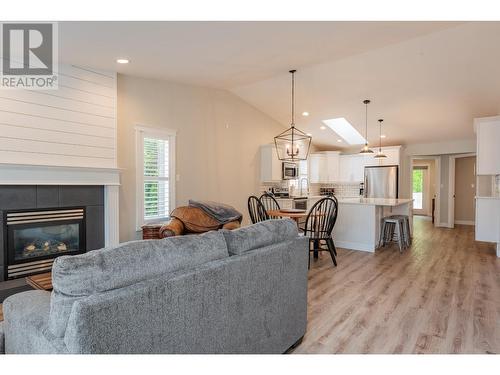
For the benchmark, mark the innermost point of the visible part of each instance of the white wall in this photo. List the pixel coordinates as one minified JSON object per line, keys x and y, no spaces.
{"x":443,"y":150}
{"x":74,"y":125}
{"x":430,"y":149}
{"x":444,"y":189}
{"x":218,"y":139}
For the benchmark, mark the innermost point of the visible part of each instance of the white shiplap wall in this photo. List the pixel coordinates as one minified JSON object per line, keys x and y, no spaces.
{"x":72,"y":126}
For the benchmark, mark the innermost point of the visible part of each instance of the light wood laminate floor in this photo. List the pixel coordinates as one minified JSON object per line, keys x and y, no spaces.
{"x":440,"y":296}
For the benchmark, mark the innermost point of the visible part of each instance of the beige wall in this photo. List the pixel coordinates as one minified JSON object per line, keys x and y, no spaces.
{"x":217,"y":148}
{"x":465,"y":182}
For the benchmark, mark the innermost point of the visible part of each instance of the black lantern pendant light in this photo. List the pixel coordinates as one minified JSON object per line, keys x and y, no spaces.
{"x":293,"y":144}
{"x":379,"y":154}
{"x":365,"y":149}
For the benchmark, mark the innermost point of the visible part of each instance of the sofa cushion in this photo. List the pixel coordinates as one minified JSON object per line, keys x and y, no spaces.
{"x":75,"y":277}
{"x":259,"y":235}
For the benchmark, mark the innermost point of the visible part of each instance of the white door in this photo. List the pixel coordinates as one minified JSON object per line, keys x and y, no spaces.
{"x":421,"y":187}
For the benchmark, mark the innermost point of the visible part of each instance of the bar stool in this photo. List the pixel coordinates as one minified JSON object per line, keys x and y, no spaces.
{"x":407,"y":232}
{"x":396,"y":228}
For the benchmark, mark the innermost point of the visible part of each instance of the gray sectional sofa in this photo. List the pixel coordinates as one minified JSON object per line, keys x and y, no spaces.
{"x":241,"y":291}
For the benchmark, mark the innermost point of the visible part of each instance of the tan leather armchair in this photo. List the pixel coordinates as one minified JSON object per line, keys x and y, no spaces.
{"x":186,"y":220}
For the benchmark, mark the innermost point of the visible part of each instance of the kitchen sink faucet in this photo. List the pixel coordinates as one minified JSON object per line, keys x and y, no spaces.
{"x":302,"y":185}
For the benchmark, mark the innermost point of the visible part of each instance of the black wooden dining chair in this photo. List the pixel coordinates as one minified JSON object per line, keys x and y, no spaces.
{"x":256,"y":210}
{"x":319,"y":227}
{"x":270,"y":203}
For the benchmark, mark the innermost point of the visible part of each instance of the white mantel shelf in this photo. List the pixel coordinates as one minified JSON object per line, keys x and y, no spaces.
{"x":22,"y":174}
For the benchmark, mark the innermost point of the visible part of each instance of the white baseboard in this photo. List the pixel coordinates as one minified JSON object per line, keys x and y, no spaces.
{"x":465,"y":222}
{"x":354,"y":245}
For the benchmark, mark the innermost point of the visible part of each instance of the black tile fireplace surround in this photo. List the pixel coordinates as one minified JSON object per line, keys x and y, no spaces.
{"x":22,"y":198}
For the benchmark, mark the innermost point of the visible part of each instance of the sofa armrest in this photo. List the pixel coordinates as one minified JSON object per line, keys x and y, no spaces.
{"x":25,"y":324}
{"x":2,"y":341}
{"x":174,"y":227}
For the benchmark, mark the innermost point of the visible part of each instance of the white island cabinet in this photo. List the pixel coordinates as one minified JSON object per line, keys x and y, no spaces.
{"x":359,"y":221}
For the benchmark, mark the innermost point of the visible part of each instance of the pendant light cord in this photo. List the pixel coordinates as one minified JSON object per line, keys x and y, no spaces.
{"x":293,"y":97}
{"x":366,"y":102}
{"x":380,"y":136}
{"x":366,"y":124}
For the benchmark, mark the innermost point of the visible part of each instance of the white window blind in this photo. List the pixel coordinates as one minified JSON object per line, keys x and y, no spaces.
{"x":156,"y":178}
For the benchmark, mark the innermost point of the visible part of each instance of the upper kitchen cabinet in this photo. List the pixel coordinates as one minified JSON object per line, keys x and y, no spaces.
{"x":270,"y":165}
{"x":317,"y":164}
{"x":488,"y":153}
{"x":324,"y":167}
{"x":393,"y":154}
{"x":352,"y":168}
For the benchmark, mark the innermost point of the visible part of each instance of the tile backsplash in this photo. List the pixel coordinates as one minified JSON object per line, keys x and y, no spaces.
{"x":497,"y":185}
{"x":341,"y":189}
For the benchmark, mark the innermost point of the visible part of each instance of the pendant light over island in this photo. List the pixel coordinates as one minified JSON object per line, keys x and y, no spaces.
{"x":366,"y":149}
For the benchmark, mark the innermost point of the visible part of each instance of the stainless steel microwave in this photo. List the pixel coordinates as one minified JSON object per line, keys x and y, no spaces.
{"x":290,"y":171}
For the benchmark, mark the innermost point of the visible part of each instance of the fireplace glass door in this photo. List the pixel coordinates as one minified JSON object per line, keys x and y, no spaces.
{"x":44,"y":240}
{"x":44,"y":234}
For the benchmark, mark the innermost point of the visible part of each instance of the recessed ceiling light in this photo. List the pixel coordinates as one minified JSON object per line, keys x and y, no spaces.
{"x":339,"y":140}
{"x":383,"y":136}
{"x":309,"y":134}
{"x":322,"y":127}
{"x":305,"y":113}
{"x":345,"y":130}
{"x":122,"y":61}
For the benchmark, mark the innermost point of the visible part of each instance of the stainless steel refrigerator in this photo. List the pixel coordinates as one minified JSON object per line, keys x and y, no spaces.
{"x":381,"y":182}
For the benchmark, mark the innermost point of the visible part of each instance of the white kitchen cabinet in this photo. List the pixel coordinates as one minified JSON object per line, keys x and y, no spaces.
{"x":330,"y":166}
{"x":352,"y":168}
{"x":324,"y":167}
{"x":488,"y":153}
{"x":488,"y":219}
{"x":317,"y":163}
{"x":270,"y":165}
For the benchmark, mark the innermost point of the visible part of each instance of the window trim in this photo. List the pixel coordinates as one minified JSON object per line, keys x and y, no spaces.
{"x":142,"y":132}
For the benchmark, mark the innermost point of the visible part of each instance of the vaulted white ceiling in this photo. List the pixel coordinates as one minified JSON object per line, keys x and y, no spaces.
{"x":427,"y":89}
{"x":225,"y":54}
{"x":426,"y":79}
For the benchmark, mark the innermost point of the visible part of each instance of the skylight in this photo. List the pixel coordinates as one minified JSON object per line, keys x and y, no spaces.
{"x":345,"y":130}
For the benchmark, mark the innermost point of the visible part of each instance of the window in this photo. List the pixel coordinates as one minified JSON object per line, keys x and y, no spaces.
{"x":155,"y":175}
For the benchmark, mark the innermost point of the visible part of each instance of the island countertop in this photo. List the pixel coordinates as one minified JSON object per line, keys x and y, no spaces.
{"x":375,"y":201}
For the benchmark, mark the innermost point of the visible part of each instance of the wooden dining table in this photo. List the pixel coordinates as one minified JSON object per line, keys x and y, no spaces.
{"x":292,"y":215}
{"x":296,"y":216}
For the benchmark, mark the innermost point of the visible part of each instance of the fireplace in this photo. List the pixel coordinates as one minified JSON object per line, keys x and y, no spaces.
{"x":35,"y":237}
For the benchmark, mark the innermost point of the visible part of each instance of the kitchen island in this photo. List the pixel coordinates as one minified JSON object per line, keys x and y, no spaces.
{"x":359,"y":221}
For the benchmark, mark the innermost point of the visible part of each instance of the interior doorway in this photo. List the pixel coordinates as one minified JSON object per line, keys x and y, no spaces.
{"x":420,"y":179}
{"x":424,"y":183}
{"x":462,"y":180}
